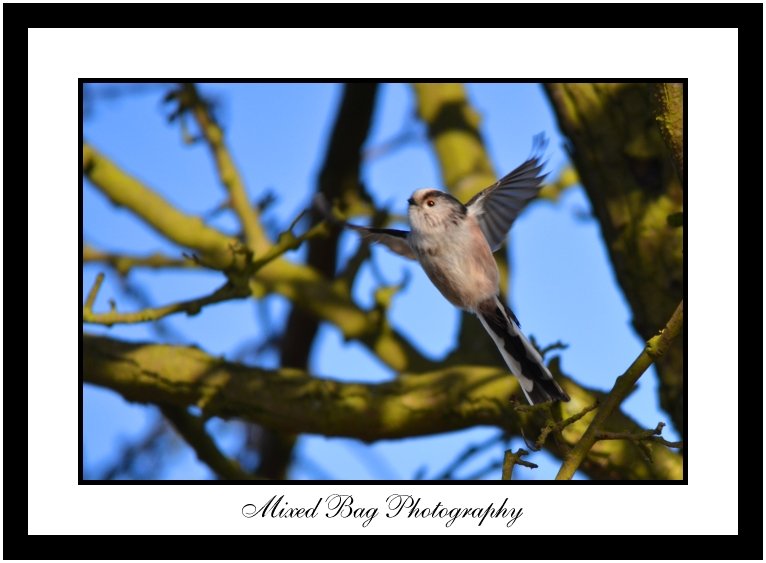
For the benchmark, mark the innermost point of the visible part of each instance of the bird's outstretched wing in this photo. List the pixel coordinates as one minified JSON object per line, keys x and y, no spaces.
{"x":393,"y":239}
{"x":497,"y":206}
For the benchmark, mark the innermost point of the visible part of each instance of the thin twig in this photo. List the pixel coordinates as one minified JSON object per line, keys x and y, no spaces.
{"x":655,"y":348}
{"x":651,"y":435}
{"x":513,"y":459}
{"x":226,"y":292}
{"x":558,"y":345}
{"x":559,"y":426}
{"x":93,"y":293}
{"x":288,"y":241}
{"x":229,"y":291}
{"x":124,"y":263}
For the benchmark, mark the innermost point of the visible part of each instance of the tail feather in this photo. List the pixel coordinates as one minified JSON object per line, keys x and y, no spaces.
{"x":523,"y":360}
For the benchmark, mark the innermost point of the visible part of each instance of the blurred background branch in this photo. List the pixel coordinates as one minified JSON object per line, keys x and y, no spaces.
{"x":338,"y":181}
{"x":189,"y":100}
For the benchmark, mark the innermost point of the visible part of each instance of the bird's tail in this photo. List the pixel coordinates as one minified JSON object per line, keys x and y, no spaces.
{"x":523,"y":360}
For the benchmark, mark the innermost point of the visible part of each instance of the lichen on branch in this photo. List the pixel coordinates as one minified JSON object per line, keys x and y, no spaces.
{"x":290,"y":400}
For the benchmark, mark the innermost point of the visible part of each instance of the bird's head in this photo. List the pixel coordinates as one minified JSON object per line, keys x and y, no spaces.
{"x":431,"y":209}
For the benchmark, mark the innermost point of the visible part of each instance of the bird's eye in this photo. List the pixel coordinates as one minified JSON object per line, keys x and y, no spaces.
{"x":430,"y":203}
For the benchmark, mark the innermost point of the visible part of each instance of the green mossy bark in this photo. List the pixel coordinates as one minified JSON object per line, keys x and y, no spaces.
{"x":668,"y":101}
{"x":291,"y":400}
{"x":629,"y":175}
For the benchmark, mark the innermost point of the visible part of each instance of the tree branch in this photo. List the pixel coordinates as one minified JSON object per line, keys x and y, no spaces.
{"x":331,"y":301}
{"x":230,"y":290}
{"x":230,"y":177}
{"x":217,"y":250}
{"x":93,"y":293}
{"x":651,"y":435}
{"x":553,"y":425}
{"x":338,"y":180}
{"x":629,"y":176}
{"x":654,"y":349}
{"x":668,"y":108}
{"x":192,"y":430}
{"x":513,"y":459}
{"x":326,"y":299}
{"x":124,"y":263}
{"x":287,"y":241}
{"x":453,"y":129}
{"x":290,"y":400}
{"x":191,"y":307}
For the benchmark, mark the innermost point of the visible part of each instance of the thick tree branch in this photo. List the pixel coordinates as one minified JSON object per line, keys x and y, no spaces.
{"x":655,"y":348}
{"x":630,"y":178}
{"x":326,"y":299}
{"x":668,"y":101}
{"x":453,"y":128}
{"x":338,"y":180}
{"x":412,"y":405}
{"x":217,"y":250}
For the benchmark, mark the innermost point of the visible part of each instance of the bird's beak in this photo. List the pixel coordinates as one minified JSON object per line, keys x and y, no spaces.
{"x":411,"y":201}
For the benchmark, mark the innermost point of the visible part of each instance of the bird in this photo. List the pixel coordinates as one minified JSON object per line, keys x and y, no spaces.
{"x":454,"y":244}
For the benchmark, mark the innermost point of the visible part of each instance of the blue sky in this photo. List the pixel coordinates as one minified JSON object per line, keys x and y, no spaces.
{"x":562,"y":288}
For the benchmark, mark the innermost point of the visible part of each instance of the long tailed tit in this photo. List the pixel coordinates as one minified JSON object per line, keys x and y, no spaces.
{"x":454,"y":245}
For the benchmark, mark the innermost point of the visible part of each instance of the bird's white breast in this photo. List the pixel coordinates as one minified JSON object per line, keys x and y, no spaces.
{"x":459,"y":262}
